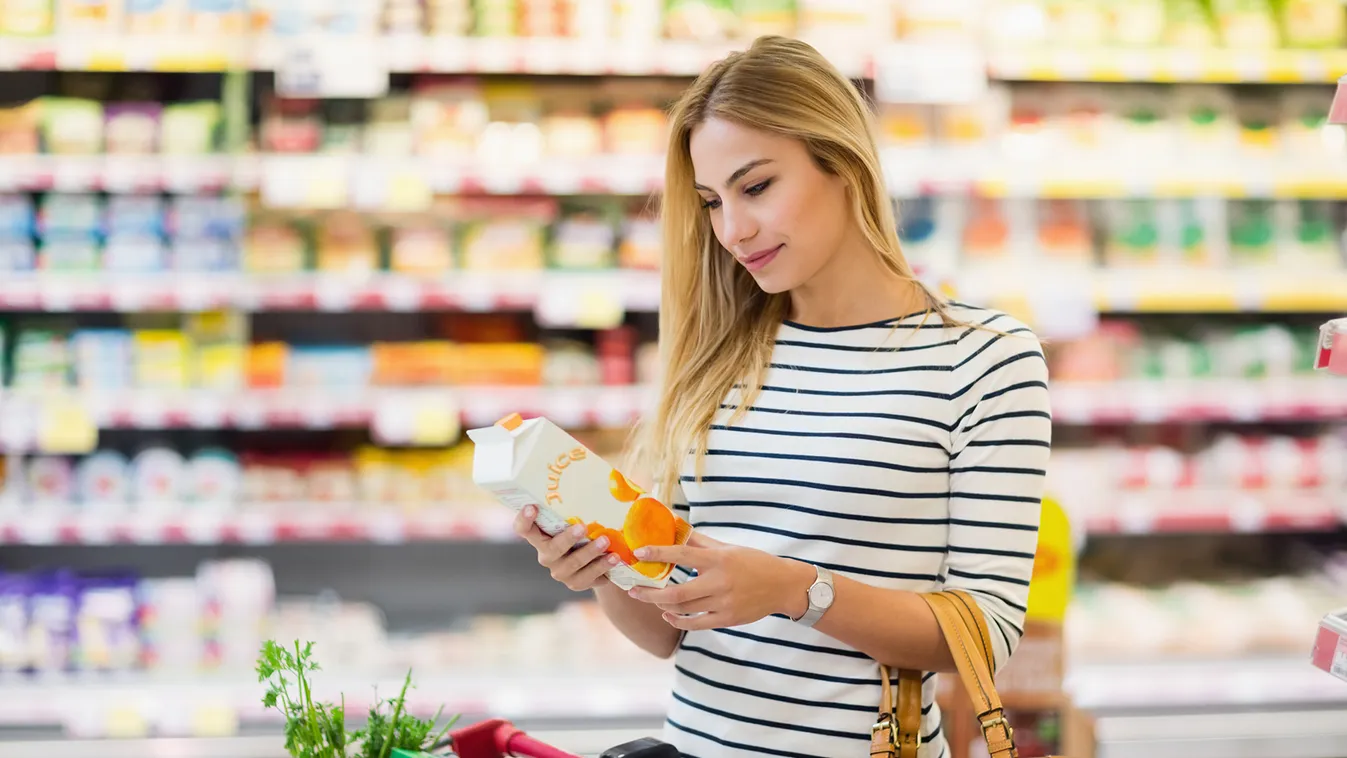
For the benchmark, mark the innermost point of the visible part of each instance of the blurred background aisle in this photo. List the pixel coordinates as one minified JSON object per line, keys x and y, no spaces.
{"x":262,"y":260}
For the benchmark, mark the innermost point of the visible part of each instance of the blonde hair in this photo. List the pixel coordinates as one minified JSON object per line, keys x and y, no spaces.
{"x":717,"y":328}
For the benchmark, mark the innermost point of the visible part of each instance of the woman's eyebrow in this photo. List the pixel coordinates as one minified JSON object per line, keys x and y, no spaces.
{"x":738,"y":173}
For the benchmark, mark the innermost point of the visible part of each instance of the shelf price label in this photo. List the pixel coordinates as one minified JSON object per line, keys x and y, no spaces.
{"x":332,"y":65}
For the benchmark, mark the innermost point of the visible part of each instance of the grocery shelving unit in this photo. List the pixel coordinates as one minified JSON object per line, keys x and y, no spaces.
{"x":433,"y":563}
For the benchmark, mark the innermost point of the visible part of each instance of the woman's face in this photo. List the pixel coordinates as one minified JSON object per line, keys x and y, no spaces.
{"x":780,"y":215}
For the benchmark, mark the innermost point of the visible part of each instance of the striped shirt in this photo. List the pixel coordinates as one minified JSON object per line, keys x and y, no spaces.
{"x":906,"y":454}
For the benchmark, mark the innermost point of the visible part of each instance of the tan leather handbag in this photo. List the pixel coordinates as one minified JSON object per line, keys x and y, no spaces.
{"x":897,"y":732}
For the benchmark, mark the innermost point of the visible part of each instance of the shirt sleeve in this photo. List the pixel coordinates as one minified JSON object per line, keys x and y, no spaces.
{"x":1002,"y":433}
{"x":679,"y":503}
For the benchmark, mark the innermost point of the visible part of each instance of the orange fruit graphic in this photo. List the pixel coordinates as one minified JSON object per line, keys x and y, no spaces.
{"x":649,"y":522}
{"x":622,"y":489}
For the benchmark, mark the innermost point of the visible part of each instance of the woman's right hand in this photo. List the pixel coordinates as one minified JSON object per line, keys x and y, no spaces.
{"x":580,"y":569}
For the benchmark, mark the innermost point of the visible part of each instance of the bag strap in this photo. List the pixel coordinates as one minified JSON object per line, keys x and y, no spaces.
{"x":966,"y":633}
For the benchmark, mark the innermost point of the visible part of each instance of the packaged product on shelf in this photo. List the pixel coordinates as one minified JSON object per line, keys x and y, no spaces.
{"x":265,"y":365}
{"x":17,"y":223}
{"x":635,"y":129}
{"x":51,"y":622}
{"x":638,"y":21}
{"x":169,"y":618}
{"x":451,"y":18}
{"x":504,"y":364}
{"x":11,"y":482}
{"x":1064,"y":231}
{"x":760,"y":17}
{"x":15,"y":591}
{"x":857,"y":23}
{"x":345,"y":243}
{"x":536,"y":463}
{"x":271,"y":479}
{"x":274,"y":245}
{"x":448,"y":116}
{"x":1248,"y":24}
{"x":421,"y":247}
{"x":154,"y":16}
{"x":71,"y":126}
{"x":403,"y":17}
{"x":616,"y":351}
{"x":1143,"y":135}
{"x":161,"y":358}
{"x":987,"y":236}
{"x":70,"y":214}
{"x":543,"y":18}
{"x":1259,"y":122}
{"x":1132,"y":233}
{"x":506,"y":234}
{"x":571,"y":132}
{"x":26,"y":18}
{"x":1027,"y":136}
{"x":1137,"y":23}
{"x":106,"y":636}
{"x":591,"y":20}
{"x":1252,"y":232}
{"x":569,"y":363}
{"x":1190,"y":230}
{"x":50,"y":481}
{"x":41,"y":358}
{"x":401,"y":364}
{"x":1205,"y":119}
{"x":214,"y":477}
{"x":1304,"y":127}
{"x":584,"y":238}
{"x":496,"y":18}
{"x":20,"y":126}
{"x":640,"y":243}
{"x":158,"y":477}
{"x":347,"y":367}
{"x":291,"y":125}
{"x":102,"y":359}
{"x":1312,"y":23}
{"x":89,"y":16}
{"x":388,"y":130}
{"x":330,"y":480}
{"x":103,"y":480}
{"x":1307,"y":235}
{"x":1189,"y":24}
{"x":190,"y":128}
{"x":226,"y":18}
{"x":131,"y":128}
{"x":238,"y":597}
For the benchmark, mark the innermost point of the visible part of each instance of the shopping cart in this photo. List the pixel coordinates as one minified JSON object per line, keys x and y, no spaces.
{"x":498,"y":738}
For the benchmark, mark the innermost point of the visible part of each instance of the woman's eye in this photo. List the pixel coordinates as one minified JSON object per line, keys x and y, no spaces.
{"x":711,"y":204}
{"x":757,"y":189}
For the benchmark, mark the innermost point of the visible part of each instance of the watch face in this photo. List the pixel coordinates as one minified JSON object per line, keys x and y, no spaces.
{"x":821,"y":595}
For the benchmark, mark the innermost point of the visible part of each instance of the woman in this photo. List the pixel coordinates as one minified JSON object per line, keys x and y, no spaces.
{"x":839,"y":438}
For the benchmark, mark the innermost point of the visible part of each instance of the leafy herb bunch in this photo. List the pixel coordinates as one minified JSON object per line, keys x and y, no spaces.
{"x":318,"y":729}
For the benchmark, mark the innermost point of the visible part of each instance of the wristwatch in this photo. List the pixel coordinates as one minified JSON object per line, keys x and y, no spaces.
{"x":821,"y":596}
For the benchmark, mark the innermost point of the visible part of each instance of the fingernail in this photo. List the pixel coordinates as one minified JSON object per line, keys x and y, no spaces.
{"x":602,"y":542}
{"x":578,"y":530}
{"x":641,"y":552}
{"x":528,"y":511}
{"x":613,"y":560}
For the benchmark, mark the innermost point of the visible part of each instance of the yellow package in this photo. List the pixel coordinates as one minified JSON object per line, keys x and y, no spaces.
{"x":162,"y":358}
{"x":537,"y":463}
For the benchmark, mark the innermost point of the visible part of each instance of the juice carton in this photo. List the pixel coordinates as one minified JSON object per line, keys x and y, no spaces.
{"x":535,"y":462}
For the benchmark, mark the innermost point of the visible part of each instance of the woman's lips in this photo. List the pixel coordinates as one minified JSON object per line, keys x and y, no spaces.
{"x":760,"y":259}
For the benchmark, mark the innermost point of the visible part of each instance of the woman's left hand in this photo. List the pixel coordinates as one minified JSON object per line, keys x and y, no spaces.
{"x":734,"y":585}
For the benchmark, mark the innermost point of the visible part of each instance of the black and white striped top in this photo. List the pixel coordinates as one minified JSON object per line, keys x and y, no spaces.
{"x":906,"y":454}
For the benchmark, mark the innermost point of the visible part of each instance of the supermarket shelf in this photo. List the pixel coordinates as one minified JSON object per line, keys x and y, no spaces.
{"x":1168,"y":65}
{"x":556,"y":293}
{"x":387,"y":183}
{"x":397,"y":53}
{"x":1134,"y":512}
{"x":133,"y":705}
{"x":1204,"y":511}
{"x":1311,"y":398}
{"x":1158,"y":290}
{"x":317,"y":408}
{"x":181,"y":524}
{"x":1212,"y":684}
{"x":583,"y":298}
{"x":1307,"y":732}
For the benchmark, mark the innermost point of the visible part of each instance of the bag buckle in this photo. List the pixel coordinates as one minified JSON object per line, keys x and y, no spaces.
{"x":989,"y":724}
{"x":888,"y":723}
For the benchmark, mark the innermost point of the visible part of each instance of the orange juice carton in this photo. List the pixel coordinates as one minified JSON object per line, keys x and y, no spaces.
{"x":535,"y":462}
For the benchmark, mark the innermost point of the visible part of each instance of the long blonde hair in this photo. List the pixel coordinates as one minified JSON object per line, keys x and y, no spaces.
{"x":716,"y":326}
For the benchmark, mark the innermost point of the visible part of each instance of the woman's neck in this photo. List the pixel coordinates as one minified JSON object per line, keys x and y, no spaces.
{"x":854,"y":288}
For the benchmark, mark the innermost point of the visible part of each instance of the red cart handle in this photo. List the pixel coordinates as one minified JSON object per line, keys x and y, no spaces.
{"x":498,"y":738}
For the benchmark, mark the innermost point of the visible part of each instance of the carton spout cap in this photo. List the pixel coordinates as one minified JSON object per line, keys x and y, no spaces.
{"x":510,"y":422}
